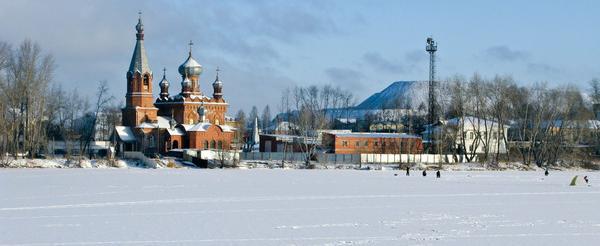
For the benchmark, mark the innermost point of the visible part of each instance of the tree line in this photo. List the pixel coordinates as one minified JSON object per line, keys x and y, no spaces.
{"x":544,"y":125}
{"x":35,"y":110}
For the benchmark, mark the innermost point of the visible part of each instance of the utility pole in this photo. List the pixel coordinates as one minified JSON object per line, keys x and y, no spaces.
{"x":431,"y":48}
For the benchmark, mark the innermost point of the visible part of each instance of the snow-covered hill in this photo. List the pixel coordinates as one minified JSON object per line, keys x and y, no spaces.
{"x":400,"y":94}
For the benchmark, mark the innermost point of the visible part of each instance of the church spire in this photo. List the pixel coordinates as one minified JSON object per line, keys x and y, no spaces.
{"x":139,"y":105}
{"x":139,"y":60}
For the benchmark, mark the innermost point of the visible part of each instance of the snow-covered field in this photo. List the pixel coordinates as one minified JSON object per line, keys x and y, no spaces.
{"x":295,"y":207}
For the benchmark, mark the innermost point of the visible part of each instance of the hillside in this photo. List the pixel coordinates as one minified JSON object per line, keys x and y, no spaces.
{"x":400,"y":94}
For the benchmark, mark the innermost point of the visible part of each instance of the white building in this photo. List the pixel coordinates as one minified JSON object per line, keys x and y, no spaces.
{"x":476,"y":135}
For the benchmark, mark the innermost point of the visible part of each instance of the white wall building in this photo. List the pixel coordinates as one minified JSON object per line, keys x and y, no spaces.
{"x":479,"y":134}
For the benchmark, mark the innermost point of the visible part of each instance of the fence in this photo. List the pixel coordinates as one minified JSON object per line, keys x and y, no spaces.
{"x":411,"y":158}
{"x":339,"y":158}
{"x":267,"y":156}
{"x":355,"y":158}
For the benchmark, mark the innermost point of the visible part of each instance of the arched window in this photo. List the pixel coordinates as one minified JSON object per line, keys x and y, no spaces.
{"x":220,"y":145}
{"x":146,"y":82}
{"x":175,"y":144}
{"x":205,"y":144}
{"x":212,"y":144}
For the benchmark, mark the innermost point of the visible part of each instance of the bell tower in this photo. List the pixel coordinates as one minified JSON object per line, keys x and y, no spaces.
{"x":139,"y":105}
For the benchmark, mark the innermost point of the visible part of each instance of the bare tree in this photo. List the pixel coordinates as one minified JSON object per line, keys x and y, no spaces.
{"x":253,"y":115}
{"x":102,"y":100}
{"x":28,"y":74}
{"x":4,"y":55}
{"x":266,"y":118}
{"x":283,"y":119}
{"x":456,"y":133}
{"x":240,"y":118}
{"x":595,"y":131}
{"x":311,"y":105}
{"x":595,"y":92}
{"x":5,"y":127}
{"x":499,"y":96}
{"x":73,"y":110}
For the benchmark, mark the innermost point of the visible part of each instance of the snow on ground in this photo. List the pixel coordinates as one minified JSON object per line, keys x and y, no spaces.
{"x":295,"y":207}
{"x":75,"y":163}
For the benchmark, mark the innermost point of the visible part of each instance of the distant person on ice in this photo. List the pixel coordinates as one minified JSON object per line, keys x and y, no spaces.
{"x":546,"y":172}
{"x":586,"y":179}
{"x":407,"y":171}
{"x":424,"y":173}
{"x":438,"y":174}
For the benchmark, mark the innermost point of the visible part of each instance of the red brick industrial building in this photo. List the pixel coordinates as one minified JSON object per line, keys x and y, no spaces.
{"x":369,"y":143}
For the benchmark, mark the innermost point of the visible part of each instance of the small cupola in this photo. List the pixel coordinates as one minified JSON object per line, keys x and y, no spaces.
{"x":202,"y":113}
{"x":164,"y":85}
{"x":217,"y":87}
{"x":186,"y":86}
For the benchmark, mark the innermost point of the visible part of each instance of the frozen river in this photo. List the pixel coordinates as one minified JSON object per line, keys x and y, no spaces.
{"x":295,"y":207}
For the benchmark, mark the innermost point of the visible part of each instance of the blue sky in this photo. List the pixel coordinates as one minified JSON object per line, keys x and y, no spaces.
{"x":263,"y":47}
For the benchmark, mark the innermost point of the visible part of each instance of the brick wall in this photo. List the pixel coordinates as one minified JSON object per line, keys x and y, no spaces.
{"x":365,"y":145}
{"x":214,"y":134}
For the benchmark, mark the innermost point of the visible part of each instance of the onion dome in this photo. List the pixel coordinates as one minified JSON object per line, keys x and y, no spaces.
{"x":186,"y":83}
{"x":201,"y":110}
{"x":190,"y":67}
{"x":164,"y":82}
{"x":202,"y":113}
{"x":139,"y":27}
{"x":164,"y":85}
{"x":217,"y":87}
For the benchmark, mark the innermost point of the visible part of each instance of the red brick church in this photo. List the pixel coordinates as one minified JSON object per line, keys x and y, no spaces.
{"x":189,"y":119}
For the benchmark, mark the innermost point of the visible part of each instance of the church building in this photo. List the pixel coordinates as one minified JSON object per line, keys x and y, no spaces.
{"x":187,"y":120}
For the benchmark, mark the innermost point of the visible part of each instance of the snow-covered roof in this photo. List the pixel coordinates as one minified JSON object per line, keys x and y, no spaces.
{"x":573,"y":124}
{"x":187,"y":127}
{"x":292,"y":138}
{"x":346,"y":120}
{"x":227,"y":128}
{"x":283,"y":125}
{"x":473,"y":122}
{"x":200,"y":127}
{"x":175,"y":132}
{"x":125,"y":133}
{"x":146,"y":125}
{"x":332,"y":131}
{"x":199,"y":97}
{"x":374,"y":135}
{"x":163,"y":122}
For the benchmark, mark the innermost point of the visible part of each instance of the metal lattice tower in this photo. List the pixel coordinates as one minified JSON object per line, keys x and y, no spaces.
{"x":431,"y":48}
